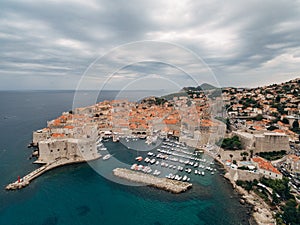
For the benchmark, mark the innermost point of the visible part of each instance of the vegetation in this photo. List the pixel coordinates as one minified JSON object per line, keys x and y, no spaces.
{"x":291,"y":212}
{"x":274,"y":155}
{"x":296,"y":128}
{"x":281,"y":194}
{"x":271,"y":128}
{"x":259,"y":117}
{"x":244,"y":155}
{"x":154,"y":101}
{"x":247,"y":185}
{"x":285,"y":121}
{"x":233,"y":143}
{"x":280,"y":187}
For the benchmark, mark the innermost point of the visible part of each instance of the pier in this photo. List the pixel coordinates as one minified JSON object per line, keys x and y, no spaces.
{"x":172,"y":186}
{"x":24,"y":181}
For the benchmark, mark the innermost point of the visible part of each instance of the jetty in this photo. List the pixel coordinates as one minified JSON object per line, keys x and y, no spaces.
{"x":24,"y":181}
{"x":172,"y":186}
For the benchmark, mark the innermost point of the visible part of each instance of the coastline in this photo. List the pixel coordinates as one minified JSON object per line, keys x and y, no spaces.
{"x":261,"y":212}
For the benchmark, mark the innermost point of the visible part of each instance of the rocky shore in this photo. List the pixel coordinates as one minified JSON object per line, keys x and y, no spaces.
{"x":261,"y":212}
{"x":172,"y":186}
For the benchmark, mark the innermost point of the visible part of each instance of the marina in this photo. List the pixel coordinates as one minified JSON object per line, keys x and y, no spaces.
{"x":171,"y":160}
{"x":174,"y":161}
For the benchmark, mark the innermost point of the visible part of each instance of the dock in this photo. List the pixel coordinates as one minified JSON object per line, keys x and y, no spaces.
{"x":166,"y":184}
{"x":24,"y":181}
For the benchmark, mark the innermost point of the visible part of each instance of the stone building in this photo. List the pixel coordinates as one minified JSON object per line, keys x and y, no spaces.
{"x":69,"y":148}
{"x":293,"y":163}
{"x":266,"y":169}
{"x":263,"y":142}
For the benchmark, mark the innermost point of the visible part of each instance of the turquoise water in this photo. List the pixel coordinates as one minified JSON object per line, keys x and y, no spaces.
{"x":76,"y":194}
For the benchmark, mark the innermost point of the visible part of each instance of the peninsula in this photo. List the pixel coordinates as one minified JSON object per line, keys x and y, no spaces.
{"x":256,"y":140}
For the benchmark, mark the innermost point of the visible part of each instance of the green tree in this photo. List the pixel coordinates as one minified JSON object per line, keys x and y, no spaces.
{"x":291,"y":213}
{"x":285,"y":121}
{"x":296,"y":124}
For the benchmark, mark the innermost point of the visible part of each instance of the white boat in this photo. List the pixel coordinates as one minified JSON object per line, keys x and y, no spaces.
{"x":147,"y":160}
{"x":152,"y":161}
{"x":133,"y":167}
{"x":106,"y":157}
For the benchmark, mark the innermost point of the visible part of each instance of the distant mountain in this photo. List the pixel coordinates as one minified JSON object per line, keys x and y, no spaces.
{"x":202,"y":87}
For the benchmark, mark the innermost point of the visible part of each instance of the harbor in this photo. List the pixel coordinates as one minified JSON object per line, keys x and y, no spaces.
{"x":173,"y":186}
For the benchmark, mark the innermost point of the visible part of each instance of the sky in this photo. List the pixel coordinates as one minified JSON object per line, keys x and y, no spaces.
{"x":136,"y":44}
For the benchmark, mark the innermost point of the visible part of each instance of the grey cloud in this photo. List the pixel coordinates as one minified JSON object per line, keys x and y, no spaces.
{"x":43,"y":38}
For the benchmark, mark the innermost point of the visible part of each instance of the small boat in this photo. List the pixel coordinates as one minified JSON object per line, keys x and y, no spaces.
{"x":106,"y":157}
{"x":133,"y":167}
{"x":152,"y":161}
{"x":139,"y":158}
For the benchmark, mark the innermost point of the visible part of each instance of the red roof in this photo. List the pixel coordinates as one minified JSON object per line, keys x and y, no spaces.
{"x":263,"y":164}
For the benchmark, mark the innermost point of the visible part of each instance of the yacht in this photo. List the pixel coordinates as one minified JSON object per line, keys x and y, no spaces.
{"x":107,"y":156}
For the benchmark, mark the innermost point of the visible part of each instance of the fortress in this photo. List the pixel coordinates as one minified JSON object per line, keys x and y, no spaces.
{"x":263,"y":142}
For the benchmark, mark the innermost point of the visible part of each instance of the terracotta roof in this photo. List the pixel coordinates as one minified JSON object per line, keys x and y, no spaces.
{"x":69,"y":127}
{"x":263,"y":164}
{"x":57,"y":135}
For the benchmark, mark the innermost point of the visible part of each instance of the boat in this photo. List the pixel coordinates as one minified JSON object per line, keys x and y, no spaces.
{"x":139,"y":158}
{"x":133,"y":167}
{"x":106,"y":157}
{"x":156,"y":173}
{"x":152,"y":161}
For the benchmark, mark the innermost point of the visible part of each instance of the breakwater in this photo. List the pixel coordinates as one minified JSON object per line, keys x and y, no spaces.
{"x":173,"y":186}
{"x":24,"y":181}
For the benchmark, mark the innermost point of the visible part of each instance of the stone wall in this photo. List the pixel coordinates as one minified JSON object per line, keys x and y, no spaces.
{"x":225,"y":154}
{"x":53,"y":149}
{"x":38,"y":136}
{"x":269,"y":142}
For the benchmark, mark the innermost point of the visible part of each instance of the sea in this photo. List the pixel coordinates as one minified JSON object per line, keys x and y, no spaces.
{"x":79,"y":193}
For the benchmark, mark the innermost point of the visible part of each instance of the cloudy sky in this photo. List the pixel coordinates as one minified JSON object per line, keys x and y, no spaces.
{"x":61,"y":44}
